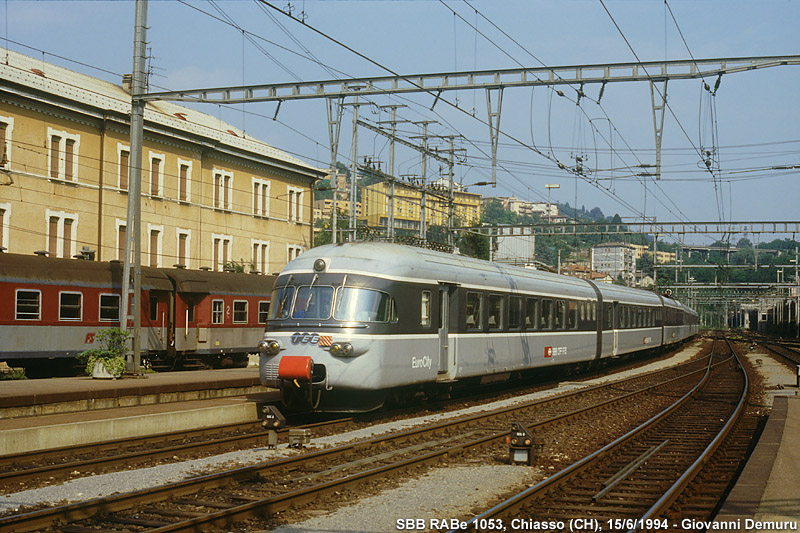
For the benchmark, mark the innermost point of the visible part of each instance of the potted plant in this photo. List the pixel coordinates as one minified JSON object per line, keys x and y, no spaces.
{"x":108,"y":361}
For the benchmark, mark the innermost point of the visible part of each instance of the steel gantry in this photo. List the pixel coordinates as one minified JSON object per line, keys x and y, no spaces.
{"x":657,"y":73}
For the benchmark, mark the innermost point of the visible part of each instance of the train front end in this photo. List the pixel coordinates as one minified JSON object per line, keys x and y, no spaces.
{"x":319,"y":347}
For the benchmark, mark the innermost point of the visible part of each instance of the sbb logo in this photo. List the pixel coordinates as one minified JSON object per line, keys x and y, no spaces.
{"x":404,"y":524}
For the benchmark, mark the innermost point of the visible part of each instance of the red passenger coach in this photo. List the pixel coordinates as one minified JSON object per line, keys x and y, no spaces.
{"x":51,"y":310}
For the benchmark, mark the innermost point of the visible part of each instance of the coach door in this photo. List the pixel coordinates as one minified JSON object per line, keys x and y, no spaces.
{"x":615,"y":328}
{"x":447,"y":343}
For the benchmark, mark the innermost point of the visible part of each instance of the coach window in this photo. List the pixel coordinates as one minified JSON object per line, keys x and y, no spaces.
{"x":474,"y":310}
{"x":514,"y":312}
{"x":546,"y":315}
{"x":69,"y":307}
{"x":560,"y":315}
{"x":531,"y":314}
{"x":217,"y":311}
{"x":425,"y":309}
{"x":240,"y":311}
{"x":28,"y":305}
{"x":572,"y":315}
{"x":495,"y":311}
{"x":263,"y":312}
{"x":109,"y":307}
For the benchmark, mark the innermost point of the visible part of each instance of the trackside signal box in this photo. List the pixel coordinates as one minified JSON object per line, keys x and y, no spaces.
{"x":522,"y":446}
{"x":272,"y":420}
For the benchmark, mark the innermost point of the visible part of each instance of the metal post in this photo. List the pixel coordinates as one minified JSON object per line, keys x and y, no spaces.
{"x":335,"y":110}
{"x":450,"y":221}
{"x":353,"y":172}
{"x":134,"y":216}
{"x":423,"y":233}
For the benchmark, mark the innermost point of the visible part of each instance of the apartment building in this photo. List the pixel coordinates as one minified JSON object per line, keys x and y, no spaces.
{"x":210,"y":195}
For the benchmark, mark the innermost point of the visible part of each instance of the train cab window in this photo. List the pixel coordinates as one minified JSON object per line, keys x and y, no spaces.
{"x":474,"y":310}
{"x":531,"y":314}
{"x":240,"y":311}
{"x":217,"y":313}
{"x":263,"y":312}
{"x":514,"y":312}
{"x":364,"y":305}
{"x":313,"y":301}
{"x":425,"y":309}
{"x":283,"y":298}
{"x":109,"y":307}
{"x":28,"y":305}
{"x":495,"y":311}
{"x":572,"y":315}
{"x":69,"y":306}
{"x":546,"y":314}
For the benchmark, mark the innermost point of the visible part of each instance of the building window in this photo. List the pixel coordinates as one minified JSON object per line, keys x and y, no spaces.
{"x":217,"y":311}
{"x":122,"y":234}
{"x":5,"y":215}
{"x":28,"y":305}
{"x":260,"y":256}
{"x":156,"y":174}
{"x":6,"y":130}
{"x":221,"y":251}
{"x":295,"y":207}
{"x":69,"y":306}
{"x":124,"y":155}
{"x":184,"y":180}
{"x":63,"y":155}
{"x":293,"y":251}
{"x":109,"y":307}
{"x":223,"y":190}
{"x":61,"y":233}
{"x":184,"y":240}
{"x":154,"y":248}
{"x":240,"y":311}
{"x":261,"y":197}
{"x":263,"y":312}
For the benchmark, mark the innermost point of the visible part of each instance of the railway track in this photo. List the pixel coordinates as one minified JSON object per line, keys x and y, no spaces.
{"x":216,"y":500}
{"x":675,"y":466}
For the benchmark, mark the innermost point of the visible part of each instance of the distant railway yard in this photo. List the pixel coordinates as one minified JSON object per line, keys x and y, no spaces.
{"x":650,"y":443}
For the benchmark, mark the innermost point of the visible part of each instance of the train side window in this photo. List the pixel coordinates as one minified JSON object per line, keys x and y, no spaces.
{"x":217,"y":311}
{"x":474,"y":310}
{"x":153,"y":307}
{"x":190,"y":311}
{"x":69,"y":306}
{"x":263,"y":312}
{"x":425,"y":309}
{"x":531,"y":314}
{"x":572,"y":315}
{"x":546,"y":315}
{"x":109,"y":307}
{"x":495,"y":311}
{"x":593,"y":310}
{"x":28,"y":305}
{"x":560,"y":315}
{"x":240,"y":311}
{"x":514,"y":312}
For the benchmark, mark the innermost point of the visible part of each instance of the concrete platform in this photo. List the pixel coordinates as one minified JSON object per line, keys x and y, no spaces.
{"x":767,"y":495}
{"x":58,"y":412}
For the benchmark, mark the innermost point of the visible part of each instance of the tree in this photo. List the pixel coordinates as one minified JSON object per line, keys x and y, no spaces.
{"x":645,"y":264}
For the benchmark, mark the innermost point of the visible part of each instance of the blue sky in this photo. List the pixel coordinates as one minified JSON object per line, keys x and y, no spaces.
{"x":757,"y":114}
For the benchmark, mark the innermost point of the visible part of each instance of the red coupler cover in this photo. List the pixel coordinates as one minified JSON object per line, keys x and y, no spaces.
{"x":295,"y":367}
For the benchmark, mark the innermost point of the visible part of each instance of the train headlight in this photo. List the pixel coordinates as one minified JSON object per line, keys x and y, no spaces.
{"x":342,"y":349}
{"x":271,"y":347}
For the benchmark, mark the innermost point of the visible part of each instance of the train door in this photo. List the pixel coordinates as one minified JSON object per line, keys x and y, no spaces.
{"x":170,"y":325}
{"x":447,"y":342}
{"x":615,"y":327}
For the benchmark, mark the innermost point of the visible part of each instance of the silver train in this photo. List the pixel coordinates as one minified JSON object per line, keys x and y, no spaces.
{"x":354,"y":324}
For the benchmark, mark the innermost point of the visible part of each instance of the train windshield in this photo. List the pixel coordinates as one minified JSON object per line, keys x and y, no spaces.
{"x":313,"y":302}
{"x":282,"y":298}
{"x":364,"y":305}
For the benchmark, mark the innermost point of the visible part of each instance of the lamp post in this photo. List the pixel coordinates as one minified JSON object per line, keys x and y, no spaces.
{"x":550,"y":186}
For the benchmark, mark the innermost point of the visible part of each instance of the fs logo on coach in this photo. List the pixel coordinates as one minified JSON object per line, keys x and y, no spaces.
{"x":305,"y":338}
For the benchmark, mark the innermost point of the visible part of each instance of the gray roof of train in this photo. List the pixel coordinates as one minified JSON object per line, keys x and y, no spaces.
{"x":399,"y":261}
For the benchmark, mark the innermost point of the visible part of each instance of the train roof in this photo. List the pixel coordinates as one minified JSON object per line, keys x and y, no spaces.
{"x":400,"y":262}
{"x":78,"y":272}
{"x":201,"y":281}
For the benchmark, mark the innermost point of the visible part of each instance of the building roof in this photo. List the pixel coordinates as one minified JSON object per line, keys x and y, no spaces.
{"x":64,"y":84}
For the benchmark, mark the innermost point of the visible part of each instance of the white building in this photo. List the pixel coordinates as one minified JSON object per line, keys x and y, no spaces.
{"x":614,"y":258}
